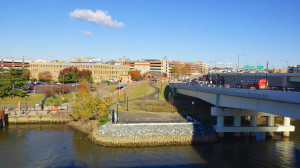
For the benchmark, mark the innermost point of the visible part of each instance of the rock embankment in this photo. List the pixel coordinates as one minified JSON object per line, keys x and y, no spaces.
{"x":154,"y":134}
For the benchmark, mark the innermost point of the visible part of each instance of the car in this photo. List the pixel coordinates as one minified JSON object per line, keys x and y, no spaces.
{"x":27,"y":90}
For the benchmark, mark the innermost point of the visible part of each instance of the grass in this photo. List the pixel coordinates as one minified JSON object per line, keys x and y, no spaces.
{"x":57,"y":100}
{"x":147,"y":106}
{"x":31,"y":98}
{"x":138,"y":91}
{"x":163,"y":95}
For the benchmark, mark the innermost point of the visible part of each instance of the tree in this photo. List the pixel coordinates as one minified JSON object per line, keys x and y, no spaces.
{"x":68,"y":75}
{"x":45,"y":76}
{"x":73,"y":74}
{"x":89,"y":106}
{"x":175,"y":71}
{"x":25,"y":74}
{"x":11,"y":82}
{"x":165,"y":75}
{"x":135,"y":74}
{"x":184,"y":70}
{"x":85,"y":75}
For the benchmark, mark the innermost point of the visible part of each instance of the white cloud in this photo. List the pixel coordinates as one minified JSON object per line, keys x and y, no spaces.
{"x":99,"y":17}
{"x":86,"y":33}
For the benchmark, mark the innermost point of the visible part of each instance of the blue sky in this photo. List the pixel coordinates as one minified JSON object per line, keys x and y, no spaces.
{"x":182,"y":30}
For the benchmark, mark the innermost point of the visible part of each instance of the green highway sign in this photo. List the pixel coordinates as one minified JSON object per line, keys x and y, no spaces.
{"x":246,"y":66}
{"x":260,"y":67}
{"x":252,"y":67}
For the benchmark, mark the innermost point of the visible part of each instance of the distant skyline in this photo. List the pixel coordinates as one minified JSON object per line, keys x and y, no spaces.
{"x":208,"y":31}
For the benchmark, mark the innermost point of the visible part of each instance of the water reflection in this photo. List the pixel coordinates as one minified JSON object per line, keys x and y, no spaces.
{"x":60,"y":146}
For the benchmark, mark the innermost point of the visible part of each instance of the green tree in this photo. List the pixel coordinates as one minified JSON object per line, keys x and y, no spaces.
{"x":25,"y":74}
{"x":11,"y":82}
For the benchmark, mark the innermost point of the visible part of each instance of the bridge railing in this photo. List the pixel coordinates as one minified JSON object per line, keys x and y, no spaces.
{"x":271,"y":88}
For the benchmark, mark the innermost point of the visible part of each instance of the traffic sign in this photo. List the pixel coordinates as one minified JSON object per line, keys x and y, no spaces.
{"x":260,"y":67}
{"x":246,"y":66}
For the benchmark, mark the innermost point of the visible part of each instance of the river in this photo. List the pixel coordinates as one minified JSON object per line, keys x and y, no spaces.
{"x":59,"y":145}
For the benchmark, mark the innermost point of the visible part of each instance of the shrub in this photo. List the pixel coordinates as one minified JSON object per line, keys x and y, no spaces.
{"x":104,"y":119}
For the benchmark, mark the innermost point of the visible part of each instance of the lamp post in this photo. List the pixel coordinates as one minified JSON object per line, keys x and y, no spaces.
{"x":193,"y":106}
{"x":26,"y":104}
{"x":215,"y":71}
{"x":287,"y":64}
{"x":127,"y":102}
{"x":63,"y":92}
{"x":267,"y":74}
{"x":117,"y":110}
{"x":238,"y":67}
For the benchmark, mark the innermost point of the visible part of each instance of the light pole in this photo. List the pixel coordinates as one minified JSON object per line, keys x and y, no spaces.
{"x":62,"y":98}
{"x":193,"y":107}
{"x":117,"y":111}
{"x":267,"y":74}
{"x":238,"y":68}
{"x":287,"y":64}
{"x":215,"y":71}
{"x":26,"y":104}
{"x":127,"y":102}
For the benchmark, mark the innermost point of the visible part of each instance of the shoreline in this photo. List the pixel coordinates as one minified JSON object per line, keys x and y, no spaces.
{"x":92,"y":130}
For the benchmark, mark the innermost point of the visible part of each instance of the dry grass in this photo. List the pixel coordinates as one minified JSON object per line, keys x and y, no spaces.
{"x":148,"y":106}
{"x":31,"y":98}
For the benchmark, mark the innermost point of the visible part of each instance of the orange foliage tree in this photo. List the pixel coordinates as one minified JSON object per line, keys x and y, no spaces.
{"x":135,"y":74}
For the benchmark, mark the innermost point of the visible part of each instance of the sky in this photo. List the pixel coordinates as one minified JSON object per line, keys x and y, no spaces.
{"x":212,"y":31}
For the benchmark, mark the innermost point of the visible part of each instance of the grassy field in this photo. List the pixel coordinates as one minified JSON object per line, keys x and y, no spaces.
{"x":138,"y":92}
{"x":31,"y":98}
{"x":147,"y":106}
{"x":163,"y":95}
{"x":57,"y":100}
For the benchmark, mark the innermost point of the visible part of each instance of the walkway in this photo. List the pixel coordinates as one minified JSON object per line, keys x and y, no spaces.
{"x":133,"y":117}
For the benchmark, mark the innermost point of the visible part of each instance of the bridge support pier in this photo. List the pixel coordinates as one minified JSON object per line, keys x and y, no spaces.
{"x":253,"y":123}
{"x":253,"y":127}
{"x":270,"y":122}
{"x":220,"y":123}
{"x":237,"y":123}
{"x":286,"y":122}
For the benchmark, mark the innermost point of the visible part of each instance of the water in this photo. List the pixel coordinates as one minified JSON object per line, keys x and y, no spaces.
{"x":61,"y":146}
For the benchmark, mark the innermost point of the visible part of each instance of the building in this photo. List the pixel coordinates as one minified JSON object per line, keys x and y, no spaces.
{"x":147,"y":65}
{"x":100,"y":72}
{"x":11,"y":63}
{"x":294,"y":69}
{"x":195,"y":68}
{"x":85,"y":60}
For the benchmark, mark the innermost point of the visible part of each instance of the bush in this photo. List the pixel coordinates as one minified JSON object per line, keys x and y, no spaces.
{"x":104,"y":119}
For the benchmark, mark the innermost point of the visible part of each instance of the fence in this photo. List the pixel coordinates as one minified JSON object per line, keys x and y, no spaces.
{"x":25,"y":109}
{"x":41,"y":89}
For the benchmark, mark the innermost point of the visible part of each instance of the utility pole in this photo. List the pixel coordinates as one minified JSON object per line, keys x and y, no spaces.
{"x":267,"y":74}
{"x":63,"y":94}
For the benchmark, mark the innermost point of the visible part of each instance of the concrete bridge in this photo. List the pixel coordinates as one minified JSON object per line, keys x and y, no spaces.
{"x":246,"y":102}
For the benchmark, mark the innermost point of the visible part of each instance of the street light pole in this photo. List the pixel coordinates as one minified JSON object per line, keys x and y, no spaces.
{"x":287,"y":64}
{"x":26,"y":104}
{"x":267,"y":74}
{"x":238,"y":68}
{"x":63,"y":94}
{"x":127,"y":102}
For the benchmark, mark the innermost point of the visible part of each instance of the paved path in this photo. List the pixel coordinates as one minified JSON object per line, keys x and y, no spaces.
{"x":148,"y":117}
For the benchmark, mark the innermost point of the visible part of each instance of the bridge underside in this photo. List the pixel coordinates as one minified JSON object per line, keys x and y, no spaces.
{"x":268,"y":106}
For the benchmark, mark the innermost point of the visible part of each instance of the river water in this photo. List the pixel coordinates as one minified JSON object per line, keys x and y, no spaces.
{"x":61,"y":146}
